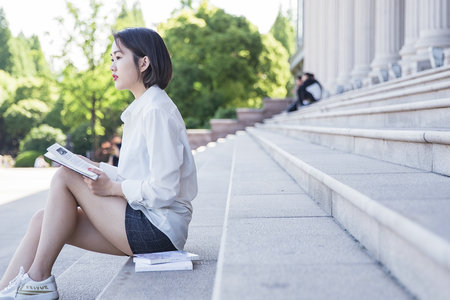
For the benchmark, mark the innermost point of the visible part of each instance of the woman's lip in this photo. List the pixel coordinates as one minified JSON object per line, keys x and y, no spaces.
{"x":114,"y":77}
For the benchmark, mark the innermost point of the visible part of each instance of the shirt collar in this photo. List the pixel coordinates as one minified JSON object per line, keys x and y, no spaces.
{"x":139,"y":103}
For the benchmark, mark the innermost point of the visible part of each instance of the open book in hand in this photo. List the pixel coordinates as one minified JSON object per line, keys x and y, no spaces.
{"x":61,"y":155}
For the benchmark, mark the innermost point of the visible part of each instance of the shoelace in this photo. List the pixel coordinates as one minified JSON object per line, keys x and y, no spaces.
{"x":16,"y":281}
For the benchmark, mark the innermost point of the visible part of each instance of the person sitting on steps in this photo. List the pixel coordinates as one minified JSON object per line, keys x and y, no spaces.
{"x":141,"y":206}
{"x":308,"y":92}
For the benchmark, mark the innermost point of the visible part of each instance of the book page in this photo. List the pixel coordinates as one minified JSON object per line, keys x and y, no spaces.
{"x":66,"y":158}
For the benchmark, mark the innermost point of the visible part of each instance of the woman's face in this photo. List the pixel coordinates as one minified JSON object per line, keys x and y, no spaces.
{"x":124,"y":72}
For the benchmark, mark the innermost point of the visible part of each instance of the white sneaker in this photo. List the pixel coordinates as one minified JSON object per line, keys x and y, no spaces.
{"x":42,"y":290}
{"x":11,"y":290}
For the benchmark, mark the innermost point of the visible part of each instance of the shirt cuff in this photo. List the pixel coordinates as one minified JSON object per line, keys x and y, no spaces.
{"x":132,"y":190}
{"x":111,"y":171}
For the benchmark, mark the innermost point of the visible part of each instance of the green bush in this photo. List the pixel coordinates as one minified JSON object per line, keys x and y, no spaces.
{"x":24,"y":115}
{"x":225,"y":113}
{"x":26,"y":159}
{"x":38,"y":139}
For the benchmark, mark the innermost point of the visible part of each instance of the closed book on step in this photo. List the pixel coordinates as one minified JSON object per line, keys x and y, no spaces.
{"x":164,"y":257}
{"x":171,"y":266}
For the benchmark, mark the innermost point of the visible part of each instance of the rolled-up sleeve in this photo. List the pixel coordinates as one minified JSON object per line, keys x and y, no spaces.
{"x":165,"y":152}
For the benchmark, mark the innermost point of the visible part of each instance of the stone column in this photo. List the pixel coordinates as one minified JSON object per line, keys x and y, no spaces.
{"x":314,"y":38}
{"x":364,"y":40}
{"x":434,"y":31}
{"x":322,"y":41}
{"x":332,"y":54}
{"x":408,"y":51}
{"x":389,"y":16}
{"x":307,"y":35}
{"x":345,"y":58}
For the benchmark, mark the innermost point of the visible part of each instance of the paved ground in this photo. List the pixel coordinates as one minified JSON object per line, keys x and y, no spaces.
{"x":16,"y":183}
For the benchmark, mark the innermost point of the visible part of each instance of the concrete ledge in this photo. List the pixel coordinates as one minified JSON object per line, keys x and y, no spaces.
{"x":433,"y":251}
{"x":249,"y":116}
{"x":423,"y":149}
{"x":222,"y":127}
{"x":411,"y":136}
{"x":427,"y":114}
{"x":419,"y":84}
{"x":408,"y":90}
{"x":413,"y":80}
{"x":198,"y":137}
{"x":277,"y":241}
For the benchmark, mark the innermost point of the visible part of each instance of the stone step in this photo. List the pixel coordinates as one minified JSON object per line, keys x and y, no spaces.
{"x":420,"y":114}
{"x":435,"y":75}
{"x":87,"y":277}
{"x":432,"y":84}
{"x":16,"y":214}
{"x":213,"y":170}
{"x":278,"y":244}
{"x":399,"y":214}
{"x":420,"y":148}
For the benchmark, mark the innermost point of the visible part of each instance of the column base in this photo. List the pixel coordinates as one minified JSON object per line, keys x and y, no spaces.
{"x":447,"y":57}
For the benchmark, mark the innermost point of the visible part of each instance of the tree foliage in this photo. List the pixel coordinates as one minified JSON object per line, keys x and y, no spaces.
{"x":273,"y":69}
{"x":5,"y":48}
{"x":220,"y":62}
{"x":24,"y":115}
{"x":90,"y":95}
{"x":214,"y":57}
{"x":39,"y":138}
{"x":284,"y":32}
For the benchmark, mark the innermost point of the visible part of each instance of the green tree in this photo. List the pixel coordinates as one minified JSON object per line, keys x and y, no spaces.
{"x":82,"y":91}
{"x":129,"y":18}
{"x":40,"y":63}
{"x":39,"y":138}
{"x":24,"y":115}
{"x":38,"y":88}
{"x":23,"y":64}
{"x":5,"y":37}
{"x":90,"y":94}
{"x":273,"y":71}
{"x":284,"y":31}
{"x":214,"y":58}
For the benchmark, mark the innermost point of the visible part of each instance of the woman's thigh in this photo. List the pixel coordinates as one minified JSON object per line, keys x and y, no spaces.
{"x":105,"y":214}
{"x":87,"y":236}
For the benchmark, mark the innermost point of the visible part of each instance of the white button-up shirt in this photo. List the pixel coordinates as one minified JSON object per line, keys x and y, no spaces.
{"x":156,"y":167}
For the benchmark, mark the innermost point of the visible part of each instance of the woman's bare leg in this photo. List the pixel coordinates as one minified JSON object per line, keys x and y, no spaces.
{"x":98,"y":226}
{"x":24,"y":255}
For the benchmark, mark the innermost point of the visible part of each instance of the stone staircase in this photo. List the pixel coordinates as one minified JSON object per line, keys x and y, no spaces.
{"x":346,"y":199}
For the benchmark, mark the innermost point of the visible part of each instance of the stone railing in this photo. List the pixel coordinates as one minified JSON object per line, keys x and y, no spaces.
{"x":245,"y":117}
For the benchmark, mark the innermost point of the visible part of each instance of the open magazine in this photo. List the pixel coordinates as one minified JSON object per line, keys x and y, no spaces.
{"x":61,"y":155}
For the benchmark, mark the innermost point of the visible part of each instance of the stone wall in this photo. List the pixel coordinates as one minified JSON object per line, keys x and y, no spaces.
{"x":220,"y":128}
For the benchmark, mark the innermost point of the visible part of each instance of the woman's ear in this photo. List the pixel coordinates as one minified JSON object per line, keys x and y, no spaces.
{"x":144,"y":63}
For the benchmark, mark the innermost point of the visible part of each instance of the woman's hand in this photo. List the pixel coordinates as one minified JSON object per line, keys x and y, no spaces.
{"x":103,"y":186}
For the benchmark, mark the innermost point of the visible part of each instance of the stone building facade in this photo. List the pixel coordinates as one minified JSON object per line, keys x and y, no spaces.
{"x":349,"y":44}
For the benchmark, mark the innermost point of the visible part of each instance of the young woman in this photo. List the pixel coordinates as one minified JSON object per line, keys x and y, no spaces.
{"x":141,"y":206}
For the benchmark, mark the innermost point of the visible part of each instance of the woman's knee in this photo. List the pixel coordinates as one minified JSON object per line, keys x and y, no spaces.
{"x":63,"y":176}
{"x":36,"y":221}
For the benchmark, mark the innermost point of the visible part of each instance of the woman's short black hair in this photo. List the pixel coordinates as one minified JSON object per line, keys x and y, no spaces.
{"x":146,"y":42}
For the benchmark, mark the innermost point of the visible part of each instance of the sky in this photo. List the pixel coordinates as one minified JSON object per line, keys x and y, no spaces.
{"x":38,"y":16}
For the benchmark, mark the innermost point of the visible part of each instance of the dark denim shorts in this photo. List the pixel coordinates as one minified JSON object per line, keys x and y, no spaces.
{"x":142,"y":235}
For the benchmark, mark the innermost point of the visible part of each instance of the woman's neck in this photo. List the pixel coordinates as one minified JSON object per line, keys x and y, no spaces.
{"x":138,"y":90}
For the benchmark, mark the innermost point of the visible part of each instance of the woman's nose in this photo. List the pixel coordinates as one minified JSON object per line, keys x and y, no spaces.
{"x":112,"y":67}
